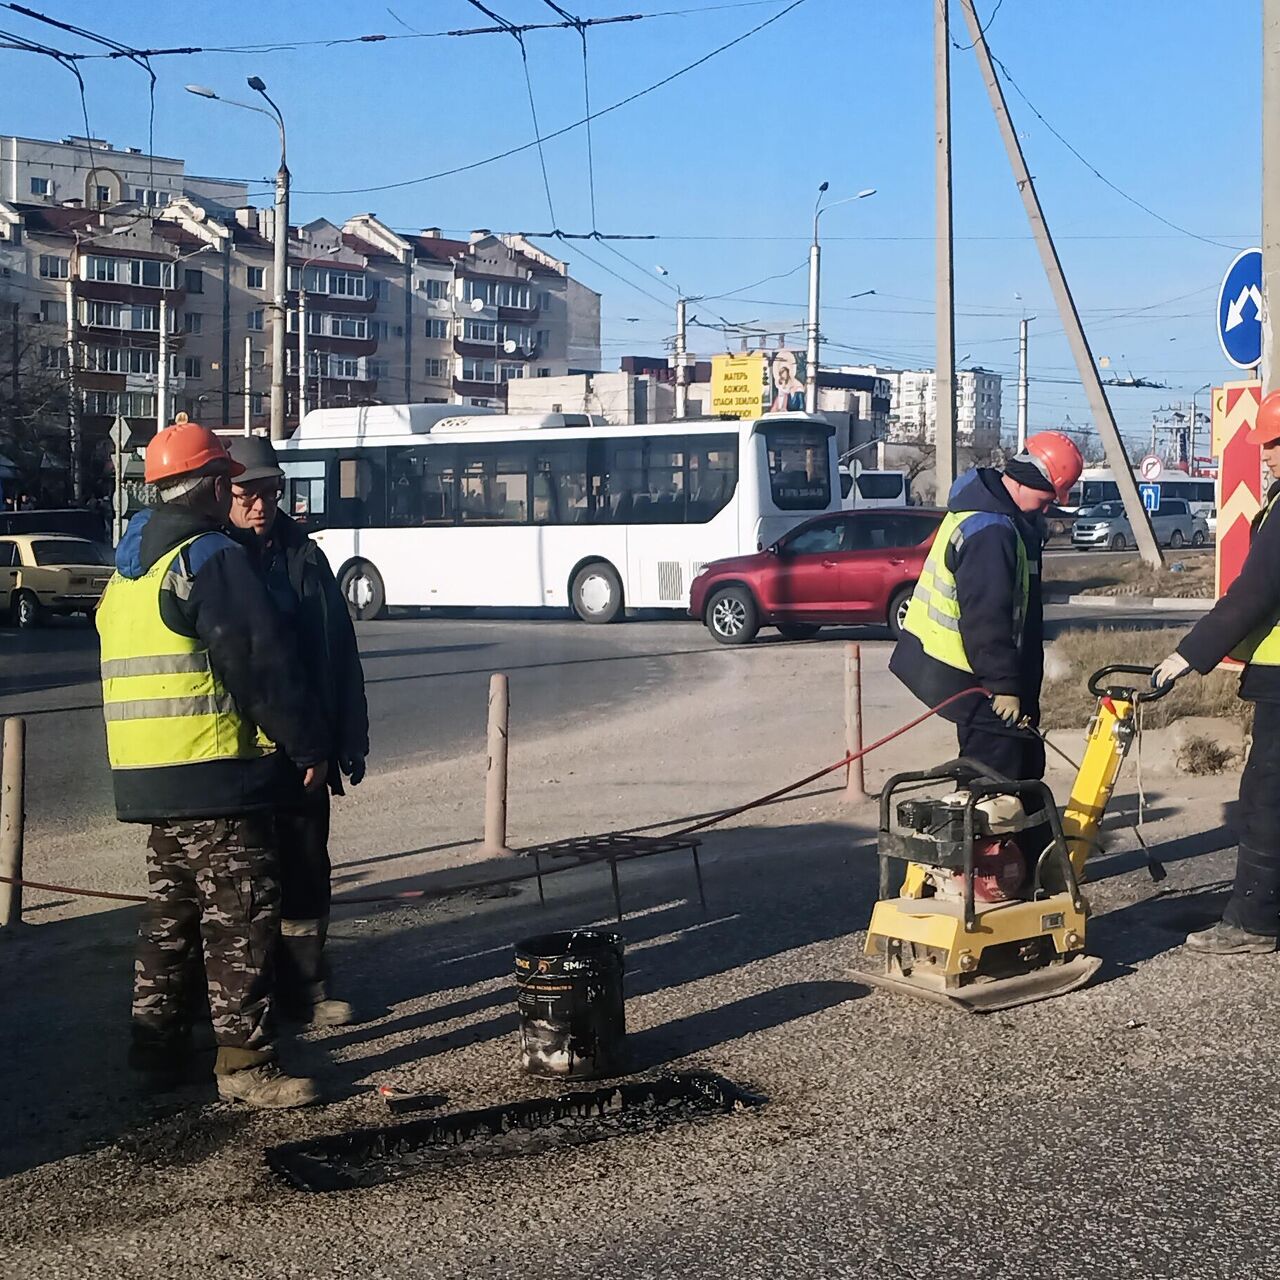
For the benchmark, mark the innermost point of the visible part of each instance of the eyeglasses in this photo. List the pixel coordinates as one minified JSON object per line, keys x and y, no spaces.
{"x":248,"y":495}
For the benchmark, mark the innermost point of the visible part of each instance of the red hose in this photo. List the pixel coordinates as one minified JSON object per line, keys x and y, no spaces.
{"x":714,"y":820}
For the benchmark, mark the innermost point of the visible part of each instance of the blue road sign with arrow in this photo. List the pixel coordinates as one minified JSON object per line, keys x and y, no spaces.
{"x":1150,"y":494}
{"x":1240,"y":310}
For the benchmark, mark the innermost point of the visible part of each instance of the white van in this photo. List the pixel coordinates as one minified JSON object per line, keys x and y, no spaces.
{"x":873,"y":489}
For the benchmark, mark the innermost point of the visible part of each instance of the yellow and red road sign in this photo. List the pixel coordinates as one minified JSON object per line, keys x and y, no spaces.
{"x":1235,"y":409}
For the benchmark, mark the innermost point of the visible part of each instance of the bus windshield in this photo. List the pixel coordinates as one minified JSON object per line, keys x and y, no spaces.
{"x":799,"y":469}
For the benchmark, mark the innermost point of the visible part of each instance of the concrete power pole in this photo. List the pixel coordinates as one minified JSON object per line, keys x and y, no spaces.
{"x":162,"y":371}
{"x":1117,"y":457}
{"x":945,"y":282}
{"x":682,"y":366}
{"x":248,"y":385}
{"x":1022,"y":384}
{"x":1270,"y":188}
{"x":811,"y":345}
{"x":281,"y":271}
{"x":302,"y":346}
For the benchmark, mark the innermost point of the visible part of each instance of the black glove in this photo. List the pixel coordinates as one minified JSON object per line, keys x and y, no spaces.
{"x":353,"y":767}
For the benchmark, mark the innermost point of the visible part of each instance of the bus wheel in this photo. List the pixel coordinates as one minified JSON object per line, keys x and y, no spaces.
{"x":362,"y":589}
{"x":597,"y":592}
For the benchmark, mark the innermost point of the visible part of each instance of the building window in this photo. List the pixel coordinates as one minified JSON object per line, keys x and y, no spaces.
{"x":52,"y":312}
{"x":147,"y":273}
{"x":438,"y":329}
{"x":121,"y":359}
{"x":254,"y":321}
{"x":496,"y":293}
{"x":102,"y":195}
{"x":543,"y":337}
{"x":544,"y":300}
{"x":435,"y":369}
{"x":53,"y":267}
{"x":192,"y":322}
{"x":53,"y":357}
{"x":255,"y":277}
{"x":479,"y":331}
{"x":256,"y":403}
{"x":344,"y":367}
{"x":377,"y":369}
{"x":544,"y":373}
{"x":434,"y":288}
{"x":191,"y":367}
{"x":39,"y":186}
{"x":194,"y":281}
{"x":379,"y":290}
{"x":132,"y":404}
{"x":379,"y":329}
{"x":151,"y":199}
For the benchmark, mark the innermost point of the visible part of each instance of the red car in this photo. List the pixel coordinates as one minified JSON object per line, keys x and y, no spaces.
{"x":847,"y":567}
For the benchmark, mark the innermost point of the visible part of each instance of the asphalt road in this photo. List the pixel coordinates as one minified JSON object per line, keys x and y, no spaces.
{"x":427,"y":684}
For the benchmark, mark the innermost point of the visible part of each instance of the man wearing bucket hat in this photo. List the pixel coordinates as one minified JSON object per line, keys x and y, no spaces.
{"x":302,"y":586}
{"x":1245,"y":624}
{"x":976,"y":616}
{"x":198,"y":689}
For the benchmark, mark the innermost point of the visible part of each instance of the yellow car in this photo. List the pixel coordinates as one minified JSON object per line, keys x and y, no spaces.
{"x":43,"y":573}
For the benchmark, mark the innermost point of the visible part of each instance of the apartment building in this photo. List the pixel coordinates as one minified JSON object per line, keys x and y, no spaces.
{"x":913,"y":413}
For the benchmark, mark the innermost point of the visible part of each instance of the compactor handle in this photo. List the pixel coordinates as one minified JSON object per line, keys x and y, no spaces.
{"x":1127,"y":691}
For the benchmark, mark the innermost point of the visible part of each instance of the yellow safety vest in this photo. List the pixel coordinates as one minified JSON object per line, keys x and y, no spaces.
{"x":163,"y":702}
{"x":1262,"y":648}
{"x":933,"y":615}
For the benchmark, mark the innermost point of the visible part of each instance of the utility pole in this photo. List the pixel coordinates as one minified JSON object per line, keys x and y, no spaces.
{"x":73,"y":390}
{"x":1022,"y":384}
{"x":1270,"y":188}
{"x":945,"y":284}
{"x":302,"y":346}
{"x":811,"y":348}
{"x":682,"y":368}
{"x":248,"y":385}
{"x":281,"y":271}
{"x":1117,"y":456}
{"x":162,"y":372}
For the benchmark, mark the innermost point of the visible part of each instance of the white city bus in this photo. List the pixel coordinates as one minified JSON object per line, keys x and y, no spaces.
{"x":420,"y":505}
{"x":1098,"y":484}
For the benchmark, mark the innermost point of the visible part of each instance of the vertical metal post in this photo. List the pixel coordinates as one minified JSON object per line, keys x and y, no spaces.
{"x":856,"y":782}
{"x":944,"y":432}
{"x":73,"y":390}
{"x":302,"y":346}
{"x":117,"y":498}
{"x":682,"y":370}
{"x":1104,"y":419}
{"x":495,"y":782}
{"x":12,"y":817}
{"x":1022,"y":384}
{"x":812,"y":346}
{"x":248,"y":385}
{"x":1270,"y":188}
{"x":162,"y":370}
{"x":281,"y":270}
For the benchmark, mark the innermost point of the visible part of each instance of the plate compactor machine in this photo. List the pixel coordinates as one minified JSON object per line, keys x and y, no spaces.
{"x":989,"y":912}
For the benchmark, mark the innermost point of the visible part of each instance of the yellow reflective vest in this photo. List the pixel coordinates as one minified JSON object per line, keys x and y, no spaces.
{"x":163,"y":702}
{"x":1262,"y":648}
{"x":933,"y":615}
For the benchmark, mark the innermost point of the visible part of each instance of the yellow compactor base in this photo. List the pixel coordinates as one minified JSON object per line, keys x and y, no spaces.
{"x":1018,"y":952}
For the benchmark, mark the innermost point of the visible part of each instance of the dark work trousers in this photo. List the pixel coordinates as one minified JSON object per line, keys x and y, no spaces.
{"x":214,"y":888}
{"x":302,"y":834}
{"x":1255,"y":898}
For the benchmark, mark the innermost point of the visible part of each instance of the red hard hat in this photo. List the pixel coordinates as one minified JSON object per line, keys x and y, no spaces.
{"x":1266,"y":427}
{"x":1057,"y":456}
{"x":187,"y":449}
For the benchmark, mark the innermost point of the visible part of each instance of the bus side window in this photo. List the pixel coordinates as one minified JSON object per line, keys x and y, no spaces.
{"x":494,"y":484}
{"x":560,"y":484}
{"x":359,"y":501}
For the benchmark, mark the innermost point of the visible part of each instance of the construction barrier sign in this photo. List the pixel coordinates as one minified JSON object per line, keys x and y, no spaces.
{"x":1235,"y":410}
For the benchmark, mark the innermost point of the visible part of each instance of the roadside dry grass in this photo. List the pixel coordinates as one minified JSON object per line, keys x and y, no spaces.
{"x":1067,"y":704}
{"x":1111,"y":576}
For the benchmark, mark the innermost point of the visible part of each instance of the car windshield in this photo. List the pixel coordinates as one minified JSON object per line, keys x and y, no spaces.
{"x":1104,"y":511}
{"x":69,"y":551}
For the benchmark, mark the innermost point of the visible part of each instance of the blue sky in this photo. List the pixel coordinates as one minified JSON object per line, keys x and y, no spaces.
{"x":1161,"y":96}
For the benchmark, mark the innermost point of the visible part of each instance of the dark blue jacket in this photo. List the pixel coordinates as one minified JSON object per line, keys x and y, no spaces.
{"x":986,"y":571}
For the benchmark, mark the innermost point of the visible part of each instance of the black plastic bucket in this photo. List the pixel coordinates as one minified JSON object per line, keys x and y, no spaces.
{"x":569,"y":995}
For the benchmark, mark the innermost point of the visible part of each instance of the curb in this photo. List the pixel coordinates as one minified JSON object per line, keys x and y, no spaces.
{"x":1175,"y":603}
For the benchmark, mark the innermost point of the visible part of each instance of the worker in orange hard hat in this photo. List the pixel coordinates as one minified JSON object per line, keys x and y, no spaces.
{"x":976,"y":618}
{"x":198,"y":688}
{"x":1245,"y":624}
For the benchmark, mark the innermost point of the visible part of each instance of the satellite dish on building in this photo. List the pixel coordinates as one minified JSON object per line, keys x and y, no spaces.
{"x":511,"y":346}
{"x":477,"y":304}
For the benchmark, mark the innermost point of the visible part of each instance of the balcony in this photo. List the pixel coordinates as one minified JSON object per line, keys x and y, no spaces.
{"x":485,"y":390}
{"x":136,"y":294}
{"x":338,"y":304}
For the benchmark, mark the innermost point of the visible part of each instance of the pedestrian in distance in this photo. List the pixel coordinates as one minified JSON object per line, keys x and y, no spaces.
{"x":207,"y":717}
{"x":323,"y":647}
{"x":1245,"y":624}
{"x":976,"y":616}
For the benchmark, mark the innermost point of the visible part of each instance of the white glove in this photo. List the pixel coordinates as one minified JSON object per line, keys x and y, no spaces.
{"x":1007,"y":707}
{"x":1174,"y":667}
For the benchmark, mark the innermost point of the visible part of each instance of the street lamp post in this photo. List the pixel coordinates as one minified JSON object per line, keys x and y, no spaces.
{"x":280,"y":245}
{"x":815,"y":271}
{"x":681,"y":347}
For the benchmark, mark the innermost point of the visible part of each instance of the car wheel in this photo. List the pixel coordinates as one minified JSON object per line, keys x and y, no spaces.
{"x":597,"y":592}
{"x":362,"y":589}
{"x":1118,"y":542}
{"x":1176,"y":539}
{"x":732,"y":616}
{"x":1198,"y":538}
{"x":798,"y":630}
{"x":27,"y":612}
{"x":898,"y":610}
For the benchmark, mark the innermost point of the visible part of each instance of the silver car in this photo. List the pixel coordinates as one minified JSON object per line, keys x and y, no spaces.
{"x":1106,"y":525}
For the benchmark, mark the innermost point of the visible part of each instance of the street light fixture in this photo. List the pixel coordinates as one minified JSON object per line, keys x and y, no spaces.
{"x":280,"y":243}
{"x":815,"y":270}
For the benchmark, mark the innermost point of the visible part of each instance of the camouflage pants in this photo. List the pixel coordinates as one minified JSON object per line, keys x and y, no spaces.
{"x":214,"y":888}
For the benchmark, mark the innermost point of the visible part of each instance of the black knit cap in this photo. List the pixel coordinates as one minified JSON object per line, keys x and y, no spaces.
{"x":1024,"y":472}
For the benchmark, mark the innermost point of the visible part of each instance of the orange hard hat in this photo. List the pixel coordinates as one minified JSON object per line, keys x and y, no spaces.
{"x":1058,"y":458}
{"x":1266,"y":427}
{"x":187,"y":449}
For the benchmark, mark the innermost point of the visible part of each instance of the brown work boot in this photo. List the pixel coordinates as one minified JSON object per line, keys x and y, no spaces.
{"x":1223,"y":939}
{"x":267,"y":1087}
